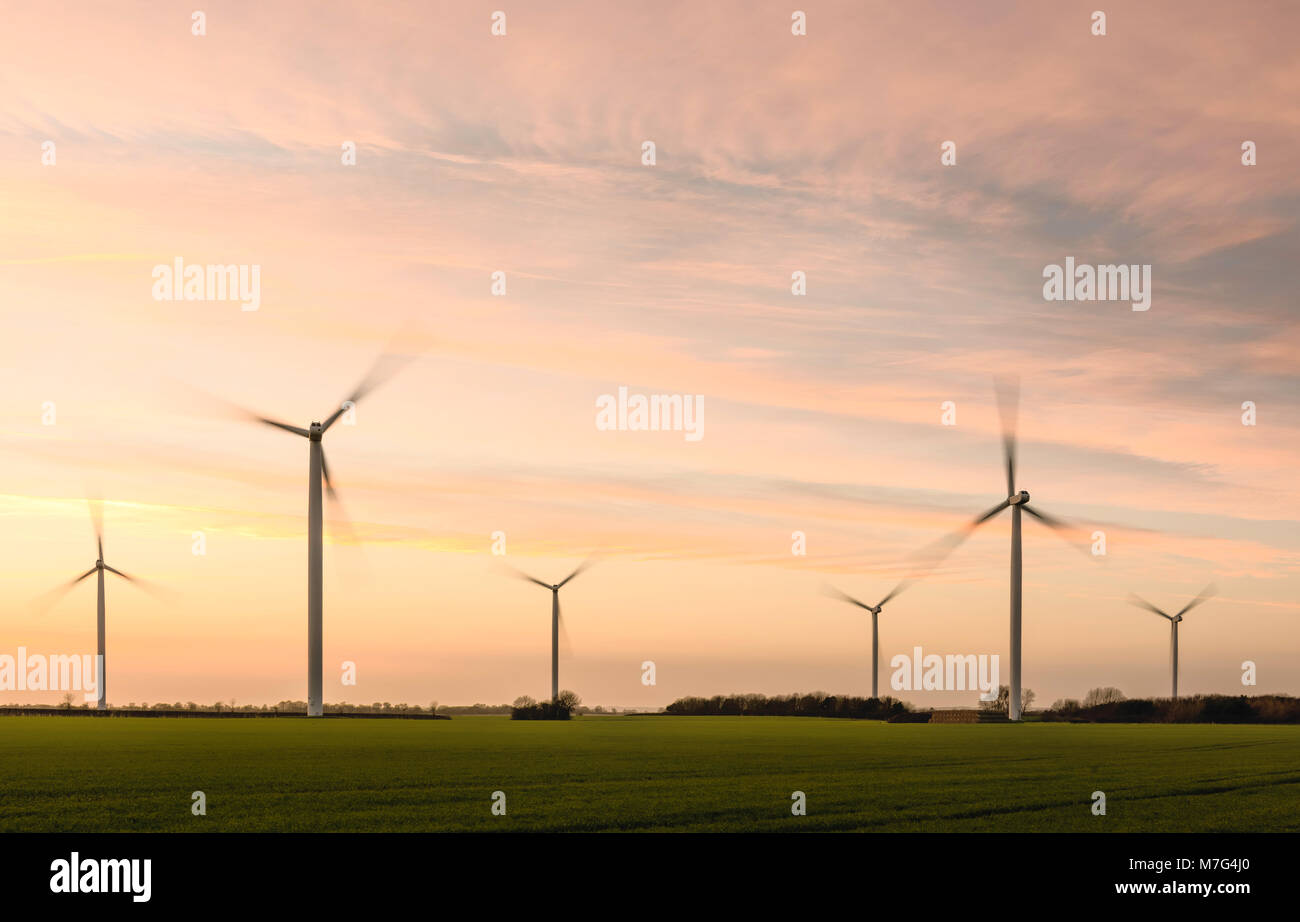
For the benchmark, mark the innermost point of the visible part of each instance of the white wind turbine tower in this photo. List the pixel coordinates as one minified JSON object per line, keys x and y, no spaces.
{"x":1008,"y":398}
{"x":875,"y":627}
{"x":99,"y":568}
{"x":557,"y":620}
{"x":317,"y":469}
{"x":1174,"y":621}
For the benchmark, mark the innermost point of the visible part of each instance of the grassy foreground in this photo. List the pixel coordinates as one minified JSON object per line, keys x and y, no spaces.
{"x":642,"y":773}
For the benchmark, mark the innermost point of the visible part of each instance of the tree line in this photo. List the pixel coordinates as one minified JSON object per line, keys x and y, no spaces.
{"x":1110,"y":706}
{"x":814,"y":704}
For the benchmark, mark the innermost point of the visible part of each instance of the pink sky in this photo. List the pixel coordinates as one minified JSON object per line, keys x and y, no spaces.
{"x":775,"y":153}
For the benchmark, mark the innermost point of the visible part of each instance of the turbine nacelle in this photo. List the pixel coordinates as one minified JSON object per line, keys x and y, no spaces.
{"x":1018,"y":499}
{"x":315,"y":432}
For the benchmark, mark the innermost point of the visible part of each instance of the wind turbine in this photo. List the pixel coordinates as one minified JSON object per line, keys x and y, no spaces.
{"x":1173,"y":620}
{"x":875,"y":626}
{"x":1008,"y":398}
{"x":99,"y":568}
{"x":556,"y":619}
{"x":316,"y":470}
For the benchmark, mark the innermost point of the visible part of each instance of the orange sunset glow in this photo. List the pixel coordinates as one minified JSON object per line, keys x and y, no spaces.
{"x":1172,"y":430}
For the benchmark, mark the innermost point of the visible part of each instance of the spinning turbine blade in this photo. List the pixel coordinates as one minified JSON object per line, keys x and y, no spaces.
{"x":1061,"y":527}
{"x":338,"y":515}
{"x":520,"y":574}
{"x":1048,"y":520}
{"x":384,"y":368}
{"x":1008,"y":394}
{"x":981,"y":519}
{"x":148,"y":586}
{"x":285,"y":426}
{"x":1135,"y":599}
{"x":325,"y":473}
{"x":893,"y":592}
{"x":45,"y":602}
{"x":933,"y":555}
{"x":566,"y":647}
{"x":1206,"y":594}
{"x":937,"y":552}
{"x":226,"y":408}
{"x":97,"y":518}
{"x":926,"y":560}
{"x":582,"y":566}
{"x":843,"y":596}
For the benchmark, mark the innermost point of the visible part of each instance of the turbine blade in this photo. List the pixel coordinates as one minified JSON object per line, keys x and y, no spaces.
{"x":941,"y":548}
{"x":285,"y":426}
{"x":97,"y":519}
{"x":981,"y":519}
{"x":566,"y":646}
{"x":1206,"y":593}
{"x":45,"y":602}
{"x":1008,"y":394}
{"x":586,"y":564}
{"x":893,"y":592}
{"x":338,"y":518}
{"x":325,"y":473}
{"x":223,"y":407}
{"x":384,"y":367}
{"x":148,"y":586}
{"x":834,"y":593}
{"x":1135,"y":599}
{"x":72,"y":582}
{"x":928,"y":558}
{"x":937,"y":552}
{"x":1049,"y":520}
{"x":520,"y":574}
{"x":1070,"y":534}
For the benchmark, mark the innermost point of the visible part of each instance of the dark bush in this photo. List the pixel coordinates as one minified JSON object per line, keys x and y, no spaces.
{"x":542,"y":710}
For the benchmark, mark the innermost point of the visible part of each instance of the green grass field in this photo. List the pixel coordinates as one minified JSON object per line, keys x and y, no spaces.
{"x":642,"y":773}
